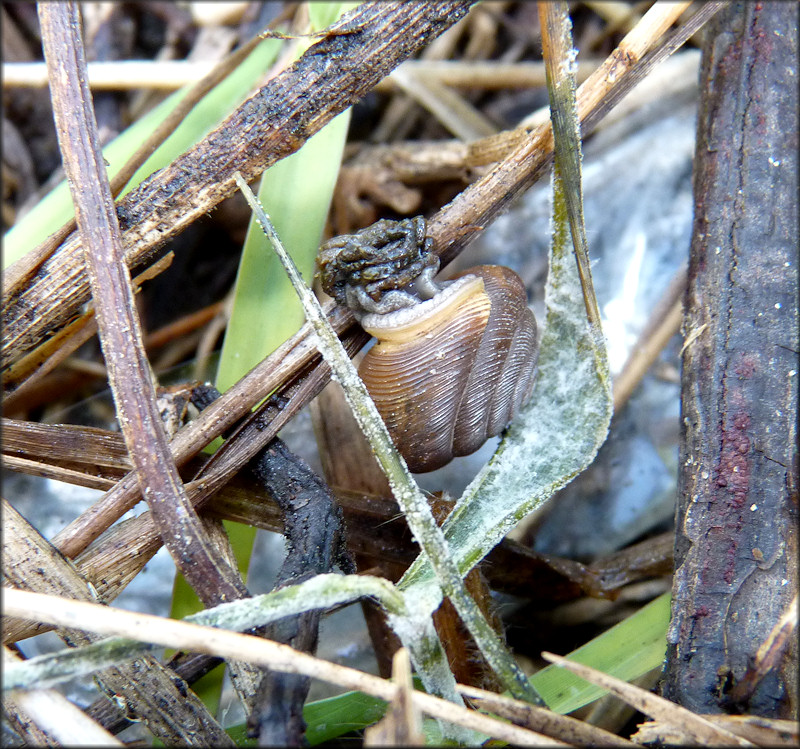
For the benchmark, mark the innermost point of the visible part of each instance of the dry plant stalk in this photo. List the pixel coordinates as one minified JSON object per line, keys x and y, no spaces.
{"x":696,"y":728}
{"x":233,"y":645}
{"x":129,"y":372}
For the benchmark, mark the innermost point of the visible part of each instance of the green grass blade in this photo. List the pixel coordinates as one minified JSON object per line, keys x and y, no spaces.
{"x":296,"y":192}
{"x":627,"y":650}
{"x":56,"y":207}
{"x":328,"y":719}
{"x":352,"y":711}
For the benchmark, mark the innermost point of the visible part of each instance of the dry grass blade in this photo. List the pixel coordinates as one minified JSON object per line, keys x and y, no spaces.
{"x":561,"y":727}
{"x":119,"y":75}
{"x":664,"y":322}
{"x":166,"y":705}
{"x":112,"y":290}
{"x":45,"y":717}
{"x":636,"y":44}
{"x":480,"y":74}
{"x":768,"y":656}
{"x":694,"y":728}
{"x":270,"y":125}
{"x":402,"y":724}
{"x":65,"y":443}
{"x":57,"y":473}
{"x":451,"y":109}
{"x":232,"y":645}
{"x":761,"y":731}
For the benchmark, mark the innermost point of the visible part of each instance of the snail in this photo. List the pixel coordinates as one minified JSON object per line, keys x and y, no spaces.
{"x":453,"y":362}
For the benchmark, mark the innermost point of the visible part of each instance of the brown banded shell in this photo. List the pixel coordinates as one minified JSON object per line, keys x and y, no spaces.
{"x":451,"y":372}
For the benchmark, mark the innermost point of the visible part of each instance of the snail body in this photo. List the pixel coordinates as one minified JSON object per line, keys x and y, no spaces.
{"x":452,"y":371}
{"x":453,"y":362}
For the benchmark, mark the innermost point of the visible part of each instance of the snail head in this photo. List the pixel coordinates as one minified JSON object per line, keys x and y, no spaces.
{"x":385,"y":267}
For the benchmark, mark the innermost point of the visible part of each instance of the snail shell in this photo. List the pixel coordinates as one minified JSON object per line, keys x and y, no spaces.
{"x":452,"y":371}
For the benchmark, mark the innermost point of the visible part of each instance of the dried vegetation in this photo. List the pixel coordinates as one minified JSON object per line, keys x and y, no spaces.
{"x":455,"y":134}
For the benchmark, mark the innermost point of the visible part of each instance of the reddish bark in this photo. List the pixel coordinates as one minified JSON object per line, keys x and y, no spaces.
{"x":736,"y":542}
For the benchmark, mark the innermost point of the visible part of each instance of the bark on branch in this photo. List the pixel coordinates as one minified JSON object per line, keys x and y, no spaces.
{"x":736,"y":569}
{"x":273,"y":123}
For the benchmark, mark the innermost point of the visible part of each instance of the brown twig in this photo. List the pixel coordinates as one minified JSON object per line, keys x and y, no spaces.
{"x":563,"y":727}
{"x":118,"y":325}
{"x":274,"y":372}
{"x":183,"y":326}
{"x":526,"y":154}
{"x":273,"y":123}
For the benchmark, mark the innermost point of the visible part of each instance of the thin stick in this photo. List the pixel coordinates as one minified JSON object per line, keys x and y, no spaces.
{"x":644,"y":354}
{"x":184,"y":325}
{"x":129,"y":372}
{"x":122,"y":75}
{"x":235,"y":646}
{"x":115,"y":75}
{"x":696,"y":727}
{"x":565,"y":727}
{"x":525,"y":154}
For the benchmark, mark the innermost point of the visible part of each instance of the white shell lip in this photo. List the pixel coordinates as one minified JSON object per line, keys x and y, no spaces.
{"x":376,"y":324}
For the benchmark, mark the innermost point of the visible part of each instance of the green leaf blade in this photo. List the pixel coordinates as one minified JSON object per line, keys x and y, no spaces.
{"x":56,"y":207}
{"x":627,"y":650}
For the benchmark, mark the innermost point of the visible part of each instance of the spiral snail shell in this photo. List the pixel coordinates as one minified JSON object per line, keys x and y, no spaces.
{"x":453,"y":363}
{"x":452,"y":371}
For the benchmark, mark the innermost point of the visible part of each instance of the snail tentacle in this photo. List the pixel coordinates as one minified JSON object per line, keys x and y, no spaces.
{"x":362,"y":303}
